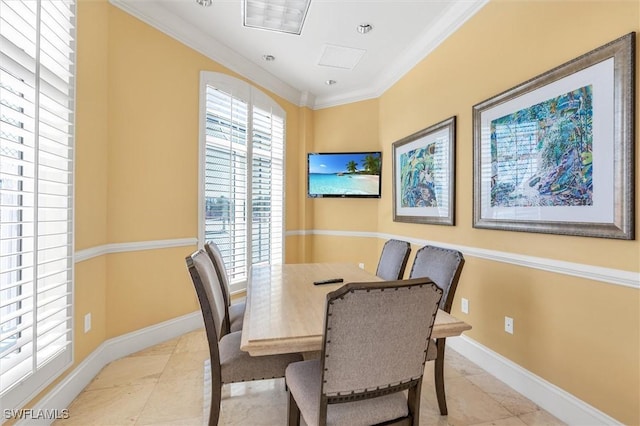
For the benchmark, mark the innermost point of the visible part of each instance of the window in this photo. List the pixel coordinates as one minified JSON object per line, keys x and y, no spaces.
{"x":242,"y":174}
{"x":36,"y":194}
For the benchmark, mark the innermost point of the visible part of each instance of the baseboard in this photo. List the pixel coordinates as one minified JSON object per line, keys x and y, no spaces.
{"x":556,"y":401}
{"x":548,"y":396}
{"x":61,"y":396}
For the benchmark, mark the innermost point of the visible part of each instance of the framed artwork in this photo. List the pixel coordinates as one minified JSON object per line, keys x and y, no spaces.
{"x":423,"y":175}
{"x":555,"y":154}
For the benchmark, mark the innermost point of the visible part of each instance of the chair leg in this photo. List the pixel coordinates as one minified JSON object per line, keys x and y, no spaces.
{"x":214,"y":411}
{"x":293,"y":412}
{"x":414,"y":403}
{"x":438,"y":370}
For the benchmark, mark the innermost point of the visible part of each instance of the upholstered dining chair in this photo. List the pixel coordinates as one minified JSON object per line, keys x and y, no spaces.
{"x":234,"y":312}
{"x":393,"y":260}
{"x":229,"y":364}
{"x":374,"y":348}
{"x":444,"y":267}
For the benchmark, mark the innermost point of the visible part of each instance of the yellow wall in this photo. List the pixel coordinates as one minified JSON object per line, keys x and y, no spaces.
{"x":91,"y":177}
{"x":137,"y":138}
{"x":136,"y":160}
{"x":581,"y":335}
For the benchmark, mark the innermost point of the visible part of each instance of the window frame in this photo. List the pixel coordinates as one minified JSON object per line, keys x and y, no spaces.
{"x":17,"y":392}
{"x":254,"y":97}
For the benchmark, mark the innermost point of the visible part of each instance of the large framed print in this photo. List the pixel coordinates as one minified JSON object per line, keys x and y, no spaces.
{"x":423,"y":175}
{"x":556,"y":153}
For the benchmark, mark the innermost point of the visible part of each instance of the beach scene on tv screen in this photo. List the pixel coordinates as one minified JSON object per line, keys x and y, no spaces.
{"x":344,"y":174}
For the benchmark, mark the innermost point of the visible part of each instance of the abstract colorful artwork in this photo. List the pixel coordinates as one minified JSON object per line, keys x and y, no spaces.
{"x":555,"y":154}
{"x":542,"y":155}
{"x":423,"y":175}
{"x":418,"y":178}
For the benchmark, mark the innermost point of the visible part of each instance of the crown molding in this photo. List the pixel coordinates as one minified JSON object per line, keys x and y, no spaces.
{"x":180,"y":30}
{"x":185,"y":33}
{"x":445,"y":26}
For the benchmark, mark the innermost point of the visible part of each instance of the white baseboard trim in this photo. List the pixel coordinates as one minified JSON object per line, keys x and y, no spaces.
{"x":61,"y":396}
{"x":548,"y":396}
{"x":551,"y":398}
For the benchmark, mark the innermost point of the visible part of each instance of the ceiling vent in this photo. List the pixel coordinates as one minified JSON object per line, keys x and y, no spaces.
{"x":340,"y":57}
{"x":285,"y":16}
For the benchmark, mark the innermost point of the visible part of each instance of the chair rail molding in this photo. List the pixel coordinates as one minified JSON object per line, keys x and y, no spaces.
{"x":590,"y":272}
{"x":89,"y":253}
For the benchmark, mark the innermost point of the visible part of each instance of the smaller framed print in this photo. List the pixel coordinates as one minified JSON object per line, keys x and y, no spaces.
{"x":555,"y":154}
{"x":423,"y":175}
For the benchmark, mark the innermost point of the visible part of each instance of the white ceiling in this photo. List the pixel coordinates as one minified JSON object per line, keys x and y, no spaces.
{"x":404,"y":32}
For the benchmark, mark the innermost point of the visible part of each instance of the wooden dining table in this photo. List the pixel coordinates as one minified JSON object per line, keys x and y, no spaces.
{"x":285,"y":310}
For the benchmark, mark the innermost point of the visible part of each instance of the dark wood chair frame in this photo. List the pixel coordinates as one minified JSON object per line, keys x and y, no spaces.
{"x":446,"y":303}
{"x":414,"y":387}
{"x":213,"y":338}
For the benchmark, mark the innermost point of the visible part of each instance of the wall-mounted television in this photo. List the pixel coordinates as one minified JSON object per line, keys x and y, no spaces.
{"x":344,"y":174}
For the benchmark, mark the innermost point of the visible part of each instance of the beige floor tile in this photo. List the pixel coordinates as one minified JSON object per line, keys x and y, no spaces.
{"x":193,"y":342}
{"x":257,"y":403}
{"x":196,"y":421}
{"x":455,"y":361}
{"x":173,"y":400}
{"x":467,"y":404}
{"x":510,"y":421}
{"x":111,"y":406}
{"x":129,"y":371}
{"x":185,"y":366}
{"x":540,"y":418}
{"x":165,"y":348}
{"x":501,"y":392}
{"x":168,"y":385}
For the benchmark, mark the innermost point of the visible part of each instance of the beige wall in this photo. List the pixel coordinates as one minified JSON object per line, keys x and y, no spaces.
{"x":578,"y":334}
{"x":581,"y":335}
{"x":137,"y":138}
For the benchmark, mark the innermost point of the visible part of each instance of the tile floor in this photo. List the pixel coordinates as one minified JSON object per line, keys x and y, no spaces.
{"x":164,"y":385}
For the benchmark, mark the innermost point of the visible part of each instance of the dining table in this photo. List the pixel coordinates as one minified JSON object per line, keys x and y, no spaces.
{"x":285,"y":310}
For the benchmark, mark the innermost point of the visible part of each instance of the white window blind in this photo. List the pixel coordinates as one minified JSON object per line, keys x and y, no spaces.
{"x":243,"y":174}
{"x":37,"y":66}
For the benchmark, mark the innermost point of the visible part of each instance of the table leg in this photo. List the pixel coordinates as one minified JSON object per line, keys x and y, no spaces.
{"x":438,"y":370}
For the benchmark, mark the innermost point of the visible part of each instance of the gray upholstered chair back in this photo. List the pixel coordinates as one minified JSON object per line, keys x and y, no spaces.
{"x":393,"y":260}
{"x":443,"y":266}
{"x":209,"y":291}
{"x":215,"y":254}
{"x":376,"y":335}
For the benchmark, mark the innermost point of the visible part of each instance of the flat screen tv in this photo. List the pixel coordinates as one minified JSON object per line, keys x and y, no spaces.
{"x":344,"y":174}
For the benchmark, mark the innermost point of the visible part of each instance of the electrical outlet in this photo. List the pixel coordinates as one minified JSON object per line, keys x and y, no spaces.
{"x":508,"y":325}
{"x":361,"y":265}
{"x":87,"y":322}
{"x":464,"y":306}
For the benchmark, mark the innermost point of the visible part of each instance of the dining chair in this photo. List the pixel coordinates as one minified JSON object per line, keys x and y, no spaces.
{"x":444,"y":267}
{"x":375,"y":342}
{"x":234,"y":312}
{"x":228,"y":363}
{"x":393,"y":260}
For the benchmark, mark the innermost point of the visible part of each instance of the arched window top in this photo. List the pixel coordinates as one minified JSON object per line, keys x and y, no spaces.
{"x":240,"y":89}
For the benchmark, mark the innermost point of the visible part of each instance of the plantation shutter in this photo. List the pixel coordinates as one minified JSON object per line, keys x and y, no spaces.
{"x":37,"y":53}
{"x":243,"y":176}
{"x":267,"y":187}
